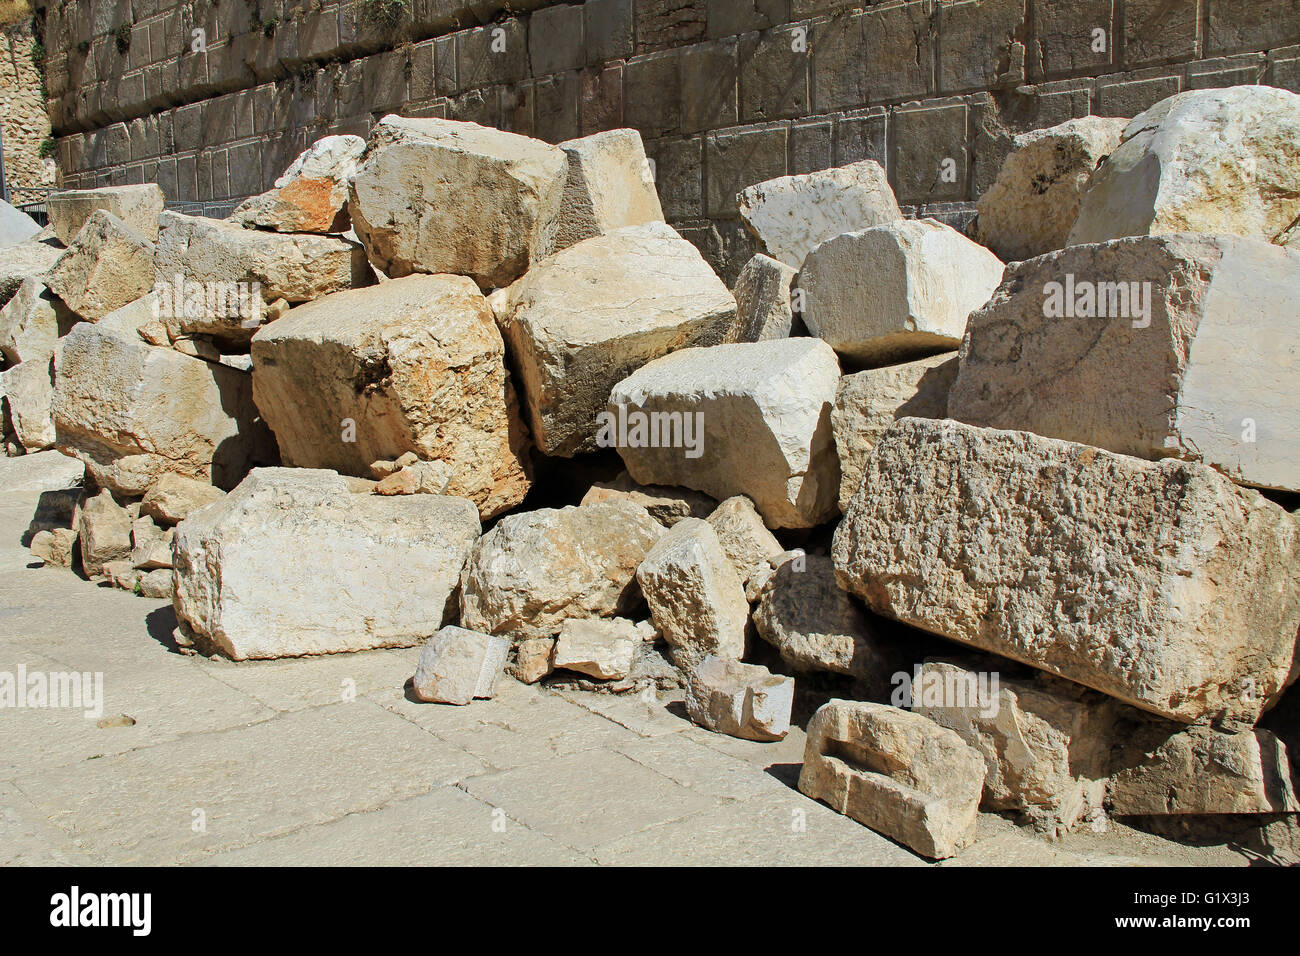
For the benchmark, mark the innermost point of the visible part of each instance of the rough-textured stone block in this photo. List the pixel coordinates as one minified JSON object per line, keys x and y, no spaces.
{"x":1161,"y":584}
{"x":895,"y":772}
{"x":760,"y":419}
{"x":384,"y":574}
{"x":1199,"y":330}
{"x":867,"y":403}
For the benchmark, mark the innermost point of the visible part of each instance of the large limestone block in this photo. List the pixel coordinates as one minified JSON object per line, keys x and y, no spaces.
{"x":740,"y":700}
{"x":1223,"y":161}
{"x":292,"y":562}
{"x":26,"y":260}
{"x":696,"y":598}
{"x":1201,"y":770}
{"x":1046,"y":742}
{"x":1161,"y":584}
{"x":312,"y":194}
{"x":415,"y":365}
{"x":40,"y":472}
{"x":43,"y":471}
{"x":758,"y":416}
{"x":590,"y":315}
{"x":138,"y":206}
{"x":216,"y":278}
{"x":895,"y":772}
{"x":534,"y":570}
{"x":107,"y":266}
{"x":28,"y":390}
{"x":816,"y":626}
{"x":610,"y":184}
{"x":458,"y":665}
{"x":104,"y":532}
{"x":896,"y":292}
{"x":133,"y":411}
{"x":867,"y":403}
{"x":1032,"y":206}
{"x":1199,"y":363}
{"x":439,"y":196}
{"x":791,"y":215}
{"x":29,"y":323}
{"x":15,"y":226}
{"x":763,"y":304}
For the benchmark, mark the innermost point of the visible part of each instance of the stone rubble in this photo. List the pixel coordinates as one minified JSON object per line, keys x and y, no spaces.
{"x":792,"y":215}
{"x":1033,"y":205}
{"x":754,"y":420}
{"x":1206,"y":361}
{"x":697,"y":601}
{"x":1220,"y":161}
{"x":645,"y":291}
{"x":896,"y":772}
{"x":137,"y":206}
{"x":739,"y":700}
{"x":487,"y":207}
{"x":107,"y":265}
{"x":1052,"y":591}
{"x":312,"y":194}
{"x":896,"y":292}
{"x":293,"y":562}
{"x":457,"y":666}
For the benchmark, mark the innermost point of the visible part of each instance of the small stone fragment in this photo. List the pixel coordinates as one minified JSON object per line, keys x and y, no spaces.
{"x":740,"y":700}
{"x":458,"y":665}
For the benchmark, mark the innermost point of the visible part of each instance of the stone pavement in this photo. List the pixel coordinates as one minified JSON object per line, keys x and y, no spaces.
{"x":331,"y":760}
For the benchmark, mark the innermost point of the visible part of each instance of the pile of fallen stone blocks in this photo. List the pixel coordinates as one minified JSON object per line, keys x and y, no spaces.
{"x":1006,"y":513}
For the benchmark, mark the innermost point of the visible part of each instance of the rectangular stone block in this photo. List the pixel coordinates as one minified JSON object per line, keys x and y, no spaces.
{"x":739,"y":158}
{"x":728,"y":18}
{"x":900,"y":52}
{"x":1161,"y":584}
{"x":1247,"y":70}
{"x":977,"y":41}
{"x":664,"y":24}
{"x":679,"y":171}
{"x":1235,"y":25}
{"x":1160,"y":31}
{"x":811,"y":146}
{"x":555,"y":107}
{"x":601,"y":106}
{"x":492,"y":54}
{"x":652,"y":94}
{"x":555,"y":39}
{"x":1065,"y":41}
{"x":860,"y":136}
{"x":710,"y":72}
{"x":774,"y":74}
{"x":607,"y":26}
{"x":930,"y":155}
{"x":839,"y":64}
{"x":1126,"y":95}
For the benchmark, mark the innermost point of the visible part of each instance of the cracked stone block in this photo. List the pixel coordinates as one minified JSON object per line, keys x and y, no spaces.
{"x":895,"y":772}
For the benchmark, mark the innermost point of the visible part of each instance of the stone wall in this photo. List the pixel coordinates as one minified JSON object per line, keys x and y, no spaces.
{"x":23,"y":122}
{"x":725,"y":92}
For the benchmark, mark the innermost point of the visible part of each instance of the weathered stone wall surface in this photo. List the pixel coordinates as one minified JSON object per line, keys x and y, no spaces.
{"x":725,"y":92}
{"x":23,"y":122}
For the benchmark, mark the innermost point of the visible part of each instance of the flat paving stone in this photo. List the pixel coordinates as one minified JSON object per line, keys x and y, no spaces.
{"x":774,"y":829}
{"x":249,"y":783}
{"x":587,"y":799}
{"x":27,"y":838}
{"x":446,"y":827}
